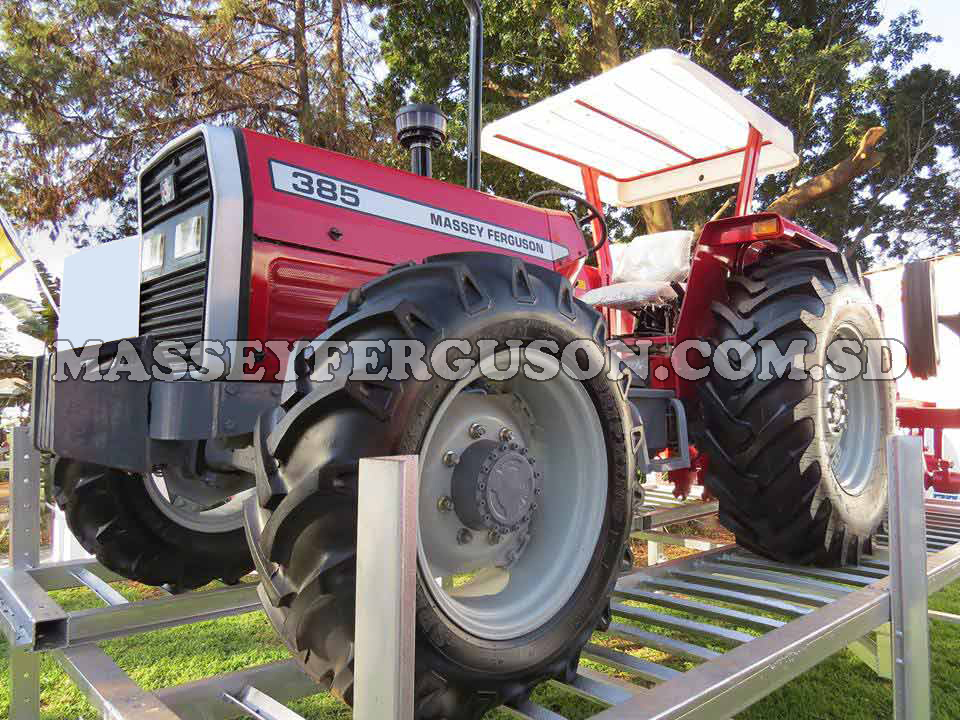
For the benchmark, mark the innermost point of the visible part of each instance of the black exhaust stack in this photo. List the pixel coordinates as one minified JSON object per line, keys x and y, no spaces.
{"x":421,"y":128}
{"x":475,"y":8}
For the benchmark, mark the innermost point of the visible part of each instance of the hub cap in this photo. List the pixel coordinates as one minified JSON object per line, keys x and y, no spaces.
{"x":528,"y":499}
{"x":494,"y":487}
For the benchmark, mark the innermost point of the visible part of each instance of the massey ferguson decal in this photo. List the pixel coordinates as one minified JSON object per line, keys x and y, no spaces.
{"x":333,"y":191}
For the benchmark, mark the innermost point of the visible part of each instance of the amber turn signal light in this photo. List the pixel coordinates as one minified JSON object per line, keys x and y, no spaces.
{"x":766,"y":227}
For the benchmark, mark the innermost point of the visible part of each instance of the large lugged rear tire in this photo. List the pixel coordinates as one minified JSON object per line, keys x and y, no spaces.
{"x":799,"y":466}
{"x":114,"y":517}
{"x":302,"y":528}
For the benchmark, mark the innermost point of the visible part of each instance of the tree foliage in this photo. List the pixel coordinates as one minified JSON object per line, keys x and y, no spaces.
{"x":822,"y":68}
{"x":90,"y":88}
{"x":34,"y":319}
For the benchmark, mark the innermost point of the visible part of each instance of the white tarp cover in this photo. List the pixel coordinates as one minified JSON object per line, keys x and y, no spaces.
{"x":662,"y":256}
{"x":614,"y":123}
{"x":643,"y":270}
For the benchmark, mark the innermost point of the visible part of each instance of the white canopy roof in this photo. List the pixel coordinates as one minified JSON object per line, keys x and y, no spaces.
{"x":655,"y":127}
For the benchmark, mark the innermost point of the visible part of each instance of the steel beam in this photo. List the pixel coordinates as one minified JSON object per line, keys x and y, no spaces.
{"x":386,"y":588}
{"x":651,"y":518}
{"x":61,"y":575}
{"x":908,"y":581}
{"x":85,"y":626}
{"x":598,"y":687}
{"x":260,"y":706}
{"x":24,"y":553}
{"x":108,"y":688}
{"x":204,"y":699}
{"x":726,"y":686}
{"x":31,"y":618}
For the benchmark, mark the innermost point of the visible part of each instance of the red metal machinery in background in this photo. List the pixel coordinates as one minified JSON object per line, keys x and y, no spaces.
{"x":917,"y":418}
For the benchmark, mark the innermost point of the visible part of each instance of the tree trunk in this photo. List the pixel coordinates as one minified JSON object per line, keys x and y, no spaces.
{"x":657,"y":216}
{"x":840,"y":175}
{"x":604,"y":33}
{"x":306,"y":117}
{"x":337,"y":65}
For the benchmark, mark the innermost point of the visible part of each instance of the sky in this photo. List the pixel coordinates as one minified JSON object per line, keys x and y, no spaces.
{"x":940,"y":17}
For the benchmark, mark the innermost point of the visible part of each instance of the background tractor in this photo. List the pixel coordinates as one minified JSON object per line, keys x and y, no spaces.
{"x":527,"y":486}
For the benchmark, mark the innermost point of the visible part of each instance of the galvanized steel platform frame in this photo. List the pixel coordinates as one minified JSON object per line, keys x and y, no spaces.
{"x":797,"y":616}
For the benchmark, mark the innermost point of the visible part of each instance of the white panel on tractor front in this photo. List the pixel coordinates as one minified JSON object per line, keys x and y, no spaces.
{"x":100,"y":293}
{"x":99,"y":300}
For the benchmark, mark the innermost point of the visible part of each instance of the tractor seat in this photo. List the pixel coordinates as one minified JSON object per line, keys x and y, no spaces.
{"x":630,"y":295}
{"x":643,"y":270}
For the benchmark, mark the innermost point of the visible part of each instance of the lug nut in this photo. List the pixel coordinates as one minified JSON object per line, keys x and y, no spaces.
{"x":444,"y":503}
{"x":493,"y":537}
{"x":506,"y":434}
{"x":477,"y":431}
{"x":464,"y":536}
{"x":450,"y":458}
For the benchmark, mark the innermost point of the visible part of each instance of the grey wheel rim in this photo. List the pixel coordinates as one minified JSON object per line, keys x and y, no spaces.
{"x":537,"y":504}
{"x":203,"y":514}
{"x":851,"y":408}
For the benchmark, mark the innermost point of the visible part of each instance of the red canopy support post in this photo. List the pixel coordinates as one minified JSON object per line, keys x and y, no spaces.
{"x":592,"y":191}
{"x":748,"y":175}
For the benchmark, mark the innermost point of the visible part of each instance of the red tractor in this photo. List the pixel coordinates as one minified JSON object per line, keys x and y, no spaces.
{"x":527,"y":479}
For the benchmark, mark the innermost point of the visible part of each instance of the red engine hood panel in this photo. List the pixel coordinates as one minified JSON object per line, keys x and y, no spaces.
{"x":326,"y":201}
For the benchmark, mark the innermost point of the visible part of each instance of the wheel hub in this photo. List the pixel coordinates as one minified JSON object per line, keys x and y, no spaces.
{"x":837,"y":408}
{"x":495,"y":486}
{"x":477,"y":478}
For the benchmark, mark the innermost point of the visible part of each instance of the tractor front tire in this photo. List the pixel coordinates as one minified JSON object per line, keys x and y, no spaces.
{"x":798,"y":462}
{"x":302,"y":527}
{"x":113,"y":516}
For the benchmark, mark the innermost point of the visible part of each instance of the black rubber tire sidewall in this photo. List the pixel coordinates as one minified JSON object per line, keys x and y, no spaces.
{"x":114,"y":518}
{"x":861,"y":513}
{"x":920,"y":319}
{"x":458,"y":675}
{"x":769,"y":457}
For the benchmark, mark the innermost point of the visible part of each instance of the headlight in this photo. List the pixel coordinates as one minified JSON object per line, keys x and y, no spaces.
{"x":189,"y":237}
{"x":151,"y":252}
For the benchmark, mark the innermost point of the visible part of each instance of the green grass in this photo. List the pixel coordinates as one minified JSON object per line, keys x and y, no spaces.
{"x":841,"y":687}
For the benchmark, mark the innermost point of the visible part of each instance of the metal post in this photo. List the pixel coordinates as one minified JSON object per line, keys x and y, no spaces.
{"x":748,"y":174}
{"x":475,"y":102}
{"x":653,"y":552}
{"x":24,"y":553}
{"x":908,"y":580}
{"x":386,"y":588}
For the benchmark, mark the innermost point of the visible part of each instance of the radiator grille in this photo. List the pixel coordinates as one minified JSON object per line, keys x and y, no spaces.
{"x":172,"y":302}
{"x":171,"y":306}
{"x":191,"y":181}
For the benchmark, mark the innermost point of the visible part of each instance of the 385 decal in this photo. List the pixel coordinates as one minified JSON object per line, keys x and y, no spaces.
{"x":324,"y":188}
{"x":387,"y":206}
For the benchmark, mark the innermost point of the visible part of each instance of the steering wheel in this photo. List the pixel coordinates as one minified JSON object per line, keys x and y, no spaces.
{"x":593,"y":213}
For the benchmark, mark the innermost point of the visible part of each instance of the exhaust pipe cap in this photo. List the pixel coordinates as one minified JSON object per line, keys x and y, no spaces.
{"x":421,"y":124}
